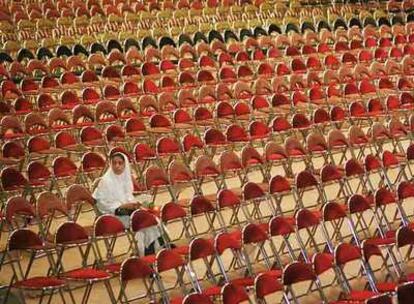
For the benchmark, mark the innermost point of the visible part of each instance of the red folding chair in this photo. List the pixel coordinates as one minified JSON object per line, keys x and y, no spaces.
{"x":311,"y":234}
{"x":385,"y":279}
{"x":175,"y":218}
{"x":276,"y":156}
{"x":45,"y":285}
{"x":363,"y":221}
{"x":297,"y":153}
{"x":404,"y":246}
{"x":299,"y":272}
{"x":405,"y":193}
{"x":156,"y":179}
{"x":202,"y":264}
{"x":307,"y":184}
{"x":131,"y":270}
{"x":255,"y":238}
{"x":107,"y":230}
{"x":234,"y":294}
{"x":346,"y":256}
{"x":172,"y":273}
{"x":268,"y":287}
{"x":71,"y":235}
{"x":258,"y":201}
{"x":196,"y":298}
{"x":251,"y":160}
{"x":229,"y":202}
{"x":405,"y":293}
{"x":339,"y":145}
{"x":206,"y":170}
{"x":204,"y":217}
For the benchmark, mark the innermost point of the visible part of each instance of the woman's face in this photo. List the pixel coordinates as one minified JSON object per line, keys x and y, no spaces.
{"x":118,"y":165}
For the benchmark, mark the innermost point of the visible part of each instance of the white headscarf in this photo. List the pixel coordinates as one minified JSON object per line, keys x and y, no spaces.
{"x":114,"y":190}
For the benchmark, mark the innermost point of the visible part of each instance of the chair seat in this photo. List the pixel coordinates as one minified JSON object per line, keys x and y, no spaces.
{"x":182,"y":250}
{"x":86,"y":274}
{"x":381,"y":241}
{"x":386,"y":286}
{"x":112,"y":268}
{"x":360,"y":295}
{"x":40,"y":283}
{"x":150,"y":259}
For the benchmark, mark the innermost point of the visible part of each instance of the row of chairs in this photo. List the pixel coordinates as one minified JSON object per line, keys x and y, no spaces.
{"x":203,"y":261}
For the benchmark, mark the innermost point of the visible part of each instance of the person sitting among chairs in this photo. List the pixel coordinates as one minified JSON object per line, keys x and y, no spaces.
{"x":114,"y":195}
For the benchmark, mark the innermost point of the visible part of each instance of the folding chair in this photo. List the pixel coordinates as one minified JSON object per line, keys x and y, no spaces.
{"x":276,"y":156}
{"x":378,"y":266}
{"x":79,"y":200}
{"x":327,"y":277}
{"x":203,"y":267}
{"x":380,"y":135}
{"x":231,"y":166}
{"x":267,"y":289}
{"x":261,"y":206}
{"x":181,"y":178}
{"x":374,"y":171}
{"x":339,"y":144}
{"x":175,"y":218}
{"x":363,"y":220}
{"x":191,"y":146}
{"x":317,"y":147}
{"x":355,"y":172}
{"x":299,"y":272}
{"x":205,"y":169}
{"x":141,"y":219}
{"x":296,"y":154}
{"x":405,"y":193}
{"x":360,"y":142}
{"x":49,"y":209}
{"x":25,"y":240}
{"x":204,"y":217}
{"x":17,"y":213}
{"x":346,"y":256}
{"x":389,"y":212}
{"x":173,"y":274}
{"x":234,"y":294}
{"x":65,"y":170}
{"x":333,"y":181}
{"x":230,"y":258}
{"x":310,"y":233}
{"x":307,"y":184}
{"x":155,"y":179}
{"x":394,"y":168}
{"x":335,"y":224}
{"x":71,"y":235}
{"x":404,"y":246}
{"x":92,"y":166}
{"x":107,"y":230}
{"x":230,"y":211}
{"x":405,"y":293}
{"x":196,"y":298}
{"x":13,"y":181}
{"x":132,"y":269}
{"x":167,"y":149}
{"x":251,"y":159}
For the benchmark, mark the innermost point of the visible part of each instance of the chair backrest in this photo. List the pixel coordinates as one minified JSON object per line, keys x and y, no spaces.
{"x":197,"y":298}
{"x":405,"y":293}
{"x":107,"y":225}
{"x":233,"y":294}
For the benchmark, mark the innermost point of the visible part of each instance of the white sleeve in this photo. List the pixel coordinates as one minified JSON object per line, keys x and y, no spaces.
{"x":104,"y":206}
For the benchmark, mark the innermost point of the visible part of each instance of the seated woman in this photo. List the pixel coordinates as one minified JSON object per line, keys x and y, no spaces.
{"x":114,"y":195}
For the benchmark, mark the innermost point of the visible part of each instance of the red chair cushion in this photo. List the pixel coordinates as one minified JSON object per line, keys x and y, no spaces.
{"x":40,"y":283}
